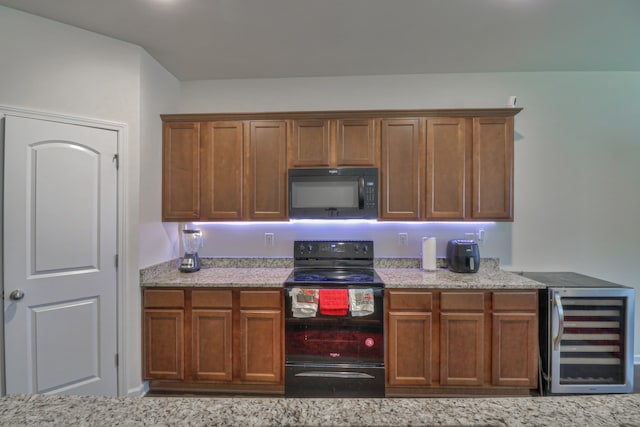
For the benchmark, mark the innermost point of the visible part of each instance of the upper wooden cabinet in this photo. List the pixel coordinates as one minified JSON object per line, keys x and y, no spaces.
{"x":459,"y":168}
{"x":267,"y":170}
{"x":435,"y":165}
{"x":447,"y":159}
{"x":309,"y":144}
{"x":400,"y":169}
{"x":333,"y":143}
{"x":222,"y":170}
{"x":181,"y":171}
{"x":492,"y":168}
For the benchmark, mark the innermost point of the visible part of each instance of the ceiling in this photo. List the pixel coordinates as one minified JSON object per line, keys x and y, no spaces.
{"x":223,"y":39}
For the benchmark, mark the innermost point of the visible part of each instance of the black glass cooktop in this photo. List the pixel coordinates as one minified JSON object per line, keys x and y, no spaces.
{"x":328,"y":276}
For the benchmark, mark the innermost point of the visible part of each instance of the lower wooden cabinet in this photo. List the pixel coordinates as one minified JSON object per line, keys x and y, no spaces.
{"x":514,"y":343}
{"x":164,"y":340}
{"x":227,"y":340}
{"x":461,"y":342}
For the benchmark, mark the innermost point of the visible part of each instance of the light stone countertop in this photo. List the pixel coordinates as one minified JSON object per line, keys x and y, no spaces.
{"x":586,"y":410}
{"x":231,"y":273}
{"x":222,"y":277}
{"x":487,"y":277}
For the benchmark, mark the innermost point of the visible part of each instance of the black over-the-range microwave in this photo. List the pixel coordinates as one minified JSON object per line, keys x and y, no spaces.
{"x":333,"y":193}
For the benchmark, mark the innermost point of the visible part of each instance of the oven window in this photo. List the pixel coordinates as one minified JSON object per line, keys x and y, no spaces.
{"x":332,"y":344}
{"x":327,"y":194}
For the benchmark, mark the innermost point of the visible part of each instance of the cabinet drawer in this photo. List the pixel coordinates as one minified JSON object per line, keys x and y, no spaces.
{"x":515,"y":301}
{"x":465,"y":301}
{"x":260,"y":299}
{"x":409,"y":300}
{"x":211,"y":298}
{"x":173,"y":298}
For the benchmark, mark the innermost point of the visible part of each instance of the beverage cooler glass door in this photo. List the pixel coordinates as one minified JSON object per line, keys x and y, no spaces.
{"x":591,"y":341}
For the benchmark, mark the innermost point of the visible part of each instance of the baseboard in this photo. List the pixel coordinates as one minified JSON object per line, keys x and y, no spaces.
{"x":139,"y":391}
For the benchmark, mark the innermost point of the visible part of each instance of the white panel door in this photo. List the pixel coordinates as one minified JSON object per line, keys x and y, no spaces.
{"x":60,"y":232}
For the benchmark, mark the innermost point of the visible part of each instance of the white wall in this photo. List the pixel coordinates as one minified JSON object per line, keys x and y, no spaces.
{"x":159,"y":93}
{"x":51,"y":67}
{"x":577,"y":152}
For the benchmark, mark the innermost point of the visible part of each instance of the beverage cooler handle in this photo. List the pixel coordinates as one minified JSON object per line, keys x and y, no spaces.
{"x":558,"y":304}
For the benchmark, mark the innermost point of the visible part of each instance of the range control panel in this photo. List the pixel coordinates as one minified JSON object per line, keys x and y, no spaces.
{"x":361,"y":249}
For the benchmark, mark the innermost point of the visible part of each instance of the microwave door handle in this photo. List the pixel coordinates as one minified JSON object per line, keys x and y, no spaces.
{"x":361,"y":193}
{"x":558,"y":305}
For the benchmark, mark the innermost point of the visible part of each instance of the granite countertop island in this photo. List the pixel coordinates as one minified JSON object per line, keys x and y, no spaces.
{"x":591,"y":410}
{"x":273,"y":275}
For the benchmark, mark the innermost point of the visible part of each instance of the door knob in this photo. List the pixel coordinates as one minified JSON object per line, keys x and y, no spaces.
{"x":17,"y":295}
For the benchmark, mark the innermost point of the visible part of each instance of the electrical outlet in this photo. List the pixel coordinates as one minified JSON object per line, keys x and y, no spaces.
{"x":403,"y":239}
{"x":269,"y":239}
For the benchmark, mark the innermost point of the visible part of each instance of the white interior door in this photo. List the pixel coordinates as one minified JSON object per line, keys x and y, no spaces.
{"x":60,"y":244}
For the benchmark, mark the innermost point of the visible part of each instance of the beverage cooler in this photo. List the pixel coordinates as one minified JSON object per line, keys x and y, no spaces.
{"x":586,"y":334}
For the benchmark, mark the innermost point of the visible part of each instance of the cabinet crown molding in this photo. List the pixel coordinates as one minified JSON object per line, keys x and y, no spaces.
{"x":342,"y":114}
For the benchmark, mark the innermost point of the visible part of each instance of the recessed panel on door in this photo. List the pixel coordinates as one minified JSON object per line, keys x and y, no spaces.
{"x":58,"y":330}
{"x":63,"y":238}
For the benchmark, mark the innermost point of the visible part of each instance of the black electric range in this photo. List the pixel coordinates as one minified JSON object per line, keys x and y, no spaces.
{"x":334,"y":355}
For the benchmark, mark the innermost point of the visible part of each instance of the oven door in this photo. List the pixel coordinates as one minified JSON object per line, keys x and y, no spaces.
{"x":345,"y":339}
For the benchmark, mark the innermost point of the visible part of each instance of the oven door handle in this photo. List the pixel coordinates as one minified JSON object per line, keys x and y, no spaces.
{"x":334,"y":374}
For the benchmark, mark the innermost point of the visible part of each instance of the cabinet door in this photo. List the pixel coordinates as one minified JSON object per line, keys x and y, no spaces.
{"x":222,"y":173}
{"x":492,"y":196}
{"x":514,"y":349}
{"x":461,"y":348}
{"x":180,"y":171}
{"x":446,"y":169}
{"x":309,"y":144}
{"x":409,"y":348}
{"x":163,"y":344}
{"x":267,"y":171}
{"x":400,"y":170}
{"x":356,"y":143}
{"x":261,"y":346}
{"x":514,"y":346}
{"x":212,"y":343}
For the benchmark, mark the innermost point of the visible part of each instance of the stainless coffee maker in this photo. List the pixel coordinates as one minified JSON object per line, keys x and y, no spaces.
{"x":192,"y":241}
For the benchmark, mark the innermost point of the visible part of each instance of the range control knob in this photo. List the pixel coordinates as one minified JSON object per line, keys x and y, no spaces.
{"x":365,"y":249}
{"x":356,"y":248}
{"x":310,"y":248}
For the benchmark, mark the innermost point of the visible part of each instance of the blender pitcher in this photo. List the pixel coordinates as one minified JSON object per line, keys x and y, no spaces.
{"x":191,"y":240}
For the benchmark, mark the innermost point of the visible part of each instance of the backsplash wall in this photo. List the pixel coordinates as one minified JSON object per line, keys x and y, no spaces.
{"x":247,"y":239}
